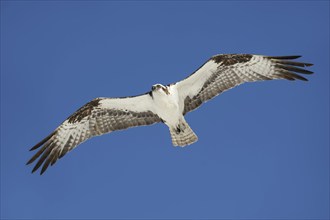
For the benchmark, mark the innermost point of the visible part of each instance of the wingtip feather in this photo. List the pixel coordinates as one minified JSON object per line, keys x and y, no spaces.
{"x":42,"y":171}
{"x":43,"y":141}
{"x":29,"y":162}
{"x":34,"y":169}
{"x":291,"y":57}
{"x":309,"y":64}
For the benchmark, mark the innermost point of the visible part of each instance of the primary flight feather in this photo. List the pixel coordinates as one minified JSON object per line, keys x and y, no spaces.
{"x":167,"y":104}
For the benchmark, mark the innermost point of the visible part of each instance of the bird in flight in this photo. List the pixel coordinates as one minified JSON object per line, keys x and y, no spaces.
{"x":167,"y":104}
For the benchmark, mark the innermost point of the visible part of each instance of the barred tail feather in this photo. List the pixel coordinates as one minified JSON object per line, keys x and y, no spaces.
{"x":182,"y":135}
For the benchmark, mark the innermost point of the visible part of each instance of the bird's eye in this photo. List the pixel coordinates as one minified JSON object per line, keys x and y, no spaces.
{"x":153,"y":87}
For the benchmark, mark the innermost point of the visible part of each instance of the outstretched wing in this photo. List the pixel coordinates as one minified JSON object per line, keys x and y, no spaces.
{"x":223,"y":72}
{"x":100,"y":116}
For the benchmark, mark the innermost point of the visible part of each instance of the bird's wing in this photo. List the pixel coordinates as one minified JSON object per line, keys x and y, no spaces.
{"x":223,"y":72}
{"x":100,"y":116}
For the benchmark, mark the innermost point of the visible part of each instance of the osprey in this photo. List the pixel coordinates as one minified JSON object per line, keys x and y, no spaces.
{"x":167,"y":104}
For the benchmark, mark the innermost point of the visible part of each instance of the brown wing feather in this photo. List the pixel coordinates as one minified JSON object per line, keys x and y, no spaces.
{"x":90,"y":120}
{"x":235,"y":69}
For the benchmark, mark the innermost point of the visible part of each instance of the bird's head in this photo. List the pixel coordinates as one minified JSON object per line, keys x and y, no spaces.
{"x":160,"y":88}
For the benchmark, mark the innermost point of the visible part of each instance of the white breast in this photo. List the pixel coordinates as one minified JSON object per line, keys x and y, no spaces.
{"x":167,"y":106}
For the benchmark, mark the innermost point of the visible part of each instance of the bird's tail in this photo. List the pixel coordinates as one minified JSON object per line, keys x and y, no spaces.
{"x":182,"y":134}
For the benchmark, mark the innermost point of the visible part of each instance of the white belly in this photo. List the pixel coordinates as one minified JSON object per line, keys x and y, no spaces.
{"x":167,"y":107}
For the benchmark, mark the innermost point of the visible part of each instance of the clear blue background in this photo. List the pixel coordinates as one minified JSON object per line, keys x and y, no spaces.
{"x":263,"y":149}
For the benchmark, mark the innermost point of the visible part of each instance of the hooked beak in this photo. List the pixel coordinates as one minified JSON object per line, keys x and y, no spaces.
{"x":166,"y":90}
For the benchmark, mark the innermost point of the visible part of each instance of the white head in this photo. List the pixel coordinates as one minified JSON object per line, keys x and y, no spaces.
{"x":159,"y":88}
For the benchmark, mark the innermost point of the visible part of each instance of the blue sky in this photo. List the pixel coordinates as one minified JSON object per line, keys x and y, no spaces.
{"x":263,"y":149}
